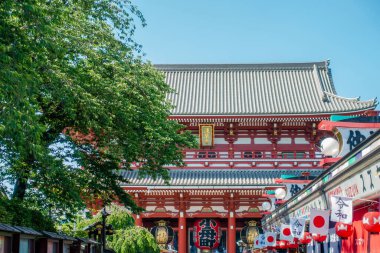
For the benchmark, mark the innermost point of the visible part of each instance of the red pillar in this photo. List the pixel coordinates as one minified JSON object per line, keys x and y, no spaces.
{"x":182,"y":235}
{"x":231,"y":235}
{"x":138,"y":220}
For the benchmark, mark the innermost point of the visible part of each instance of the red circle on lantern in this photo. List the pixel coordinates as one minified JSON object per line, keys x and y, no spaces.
{"x":371,"y":222}
{"x":270,"y":239}
{"x":319,"y":221}
{"x":344,"y":230}
{"x":207,"y":234}
{"x":286,"y":231}
{"x":319,"y":237}
{"x":306,"y":239}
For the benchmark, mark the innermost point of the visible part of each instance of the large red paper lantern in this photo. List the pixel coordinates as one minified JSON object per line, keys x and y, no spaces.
{"x":306,"y":239}
{"x":344,"y":230}
{"x":319,"y":237}
{"x":207,"y":233}
{"x":371,"y":222}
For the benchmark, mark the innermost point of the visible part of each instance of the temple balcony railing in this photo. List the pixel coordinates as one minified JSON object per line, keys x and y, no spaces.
{"x":246,"y":159}
{"x":212,"y":154}
{"x":252,"y":159}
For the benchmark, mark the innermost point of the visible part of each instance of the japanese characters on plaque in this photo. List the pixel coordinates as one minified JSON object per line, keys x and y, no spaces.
{"x":351,"y":137}
{"x":206,"y":135}
{"x":297,"y":227}
{"x":341,"y":209}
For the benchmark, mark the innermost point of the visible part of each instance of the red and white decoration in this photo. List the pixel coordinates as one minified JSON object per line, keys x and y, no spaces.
{"x":319,"y":221}
{"x":285,"y":233}
{"x":319,"y":237}
{"x":283,"y":244}
{"x":257,"y":244}
{"x":344,"y":230}
{"x":297,"y":227}
{"x":306,"y":239}
{"x":293,"y":244}
{"x":371,"y":222}
{"x":341,"y":209}
{"x":270,"y":239}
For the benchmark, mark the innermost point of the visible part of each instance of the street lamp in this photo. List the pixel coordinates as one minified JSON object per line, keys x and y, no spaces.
{"x":104,"y":216}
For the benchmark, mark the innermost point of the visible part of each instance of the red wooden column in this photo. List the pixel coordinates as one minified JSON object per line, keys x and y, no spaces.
{"x":231,"y":232}
{"x":182,"y":235}
{"x":138,"y":220}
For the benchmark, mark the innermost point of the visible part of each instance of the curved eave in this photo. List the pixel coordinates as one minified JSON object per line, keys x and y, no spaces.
{"x":289,"y":115}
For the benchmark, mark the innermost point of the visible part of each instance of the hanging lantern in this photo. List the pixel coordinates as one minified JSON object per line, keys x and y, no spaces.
{"x":283,"y":244}
{"x":319,"y":237}
{"x":293,"y":244}
{"x":306,"y":239}
{"x":371,"y":222}
{"x":344,"y":230}
{"x":280,"y":193}
{"x":250,"y":232}
{"x":207,"y":234}
{"x":162,"y":233}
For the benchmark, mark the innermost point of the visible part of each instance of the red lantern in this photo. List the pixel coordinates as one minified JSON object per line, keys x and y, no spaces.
{"x":283,"y":244}
{"x":293,"y":244}
{"x":371,"y":222}
{"x":344,"y":230}
{"x":319,"y":237}
{"x":207,"y":233}
{"x":306,"y":239}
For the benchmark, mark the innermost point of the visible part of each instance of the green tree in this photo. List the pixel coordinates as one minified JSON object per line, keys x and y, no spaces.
{"x":126,"y":239}
{"x":74,"y":92}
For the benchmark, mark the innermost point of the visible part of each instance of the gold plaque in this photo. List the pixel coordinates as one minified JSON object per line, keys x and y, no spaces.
{"x":206,"y":135}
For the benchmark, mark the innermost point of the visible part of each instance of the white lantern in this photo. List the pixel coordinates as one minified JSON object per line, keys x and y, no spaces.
{"x":330,"y":147}
{"x":266,"y":206}
{"x":280,"y":193}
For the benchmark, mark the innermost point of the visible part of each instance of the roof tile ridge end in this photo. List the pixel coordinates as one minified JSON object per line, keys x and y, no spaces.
{"x":356,"y":99}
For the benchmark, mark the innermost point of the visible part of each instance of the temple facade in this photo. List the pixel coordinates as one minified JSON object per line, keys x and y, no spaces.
{"x":257,"y":126}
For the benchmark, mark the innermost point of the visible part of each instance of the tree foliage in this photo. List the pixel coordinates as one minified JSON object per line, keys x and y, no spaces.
{"x":127,"y":237}
{"x":75,"y":93}
{"x":15,"y":212}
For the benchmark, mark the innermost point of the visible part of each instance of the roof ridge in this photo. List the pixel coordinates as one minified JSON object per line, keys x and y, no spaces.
{"x":237,"y":66}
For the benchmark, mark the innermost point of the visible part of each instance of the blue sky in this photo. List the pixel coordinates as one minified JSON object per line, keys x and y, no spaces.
{"x":251,"y":31}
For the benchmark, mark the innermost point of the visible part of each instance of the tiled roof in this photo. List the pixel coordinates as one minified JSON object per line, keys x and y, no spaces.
{"x":58,"y":236}
{"x":8,"y":228}
{"x":28,"y":231}
{"x":256,"y":89}
{"x":216,"y":177}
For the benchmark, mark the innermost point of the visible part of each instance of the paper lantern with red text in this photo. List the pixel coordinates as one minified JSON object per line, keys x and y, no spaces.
{"x":371,"y":222}
{"x":344,"y":230}
{"x":306,"y":239}
{"x":207,"y":234}
{"x":319,"y":237}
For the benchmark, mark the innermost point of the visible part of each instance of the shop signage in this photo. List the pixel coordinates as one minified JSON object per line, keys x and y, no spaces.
{"x":363,"y":184}
{"x":304,"y":210}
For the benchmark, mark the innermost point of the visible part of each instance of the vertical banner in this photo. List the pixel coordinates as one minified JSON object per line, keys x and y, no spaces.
{"x":257,"y":242}
{"x":270,"y":239}
{"x":319,"y":221}
{"x":341,"y":209}
{"x":262,"y":240}
{"x":297,"y":227}
{"x":206,"y":135}
{"x":286,"y":234}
